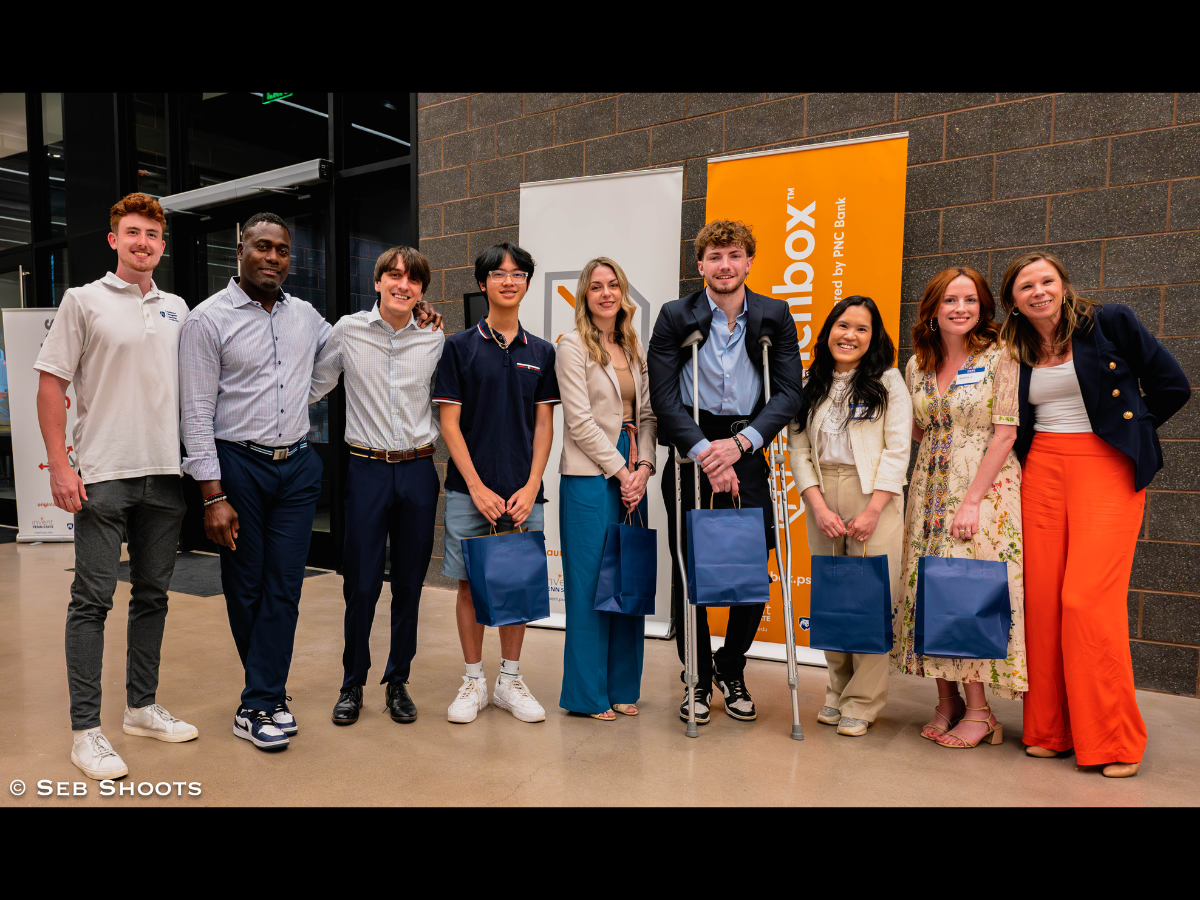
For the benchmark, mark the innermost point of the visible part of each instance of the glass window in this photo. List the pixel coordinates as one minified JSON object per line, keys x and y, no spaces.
{"x":56,"y":162}
{"x":10,"y":298}
{"x":376,"y":128}
{"x":232,"y":135}
{"x":15,"y":226}
{"x":377,"y":212}
{"x":59,"y":275}
{"x":150,"y":118}
{"x":217,"y":258}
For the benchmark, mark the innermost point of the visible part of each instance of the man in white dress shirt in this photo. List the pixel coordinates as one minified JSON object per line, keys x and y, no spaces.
{"x":392,"y":485}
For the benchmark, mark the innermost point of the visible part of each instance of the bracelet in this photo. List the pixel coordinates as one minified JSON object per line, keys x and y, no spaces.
{"x":737,"y":439}
{"x":214,"y":499}
{"x":646,"y":463}
{"x":217,"y":494}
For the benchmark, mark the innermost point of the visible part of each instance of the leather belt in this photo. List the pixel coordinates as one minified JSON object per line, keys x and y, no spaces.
{"x":392,"y":456}
{"x":276,"y":453}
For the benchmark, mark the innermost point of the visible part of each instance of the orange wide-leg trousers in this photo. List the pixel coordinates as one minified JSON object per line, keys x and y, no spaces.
{"x":1081,"y":518}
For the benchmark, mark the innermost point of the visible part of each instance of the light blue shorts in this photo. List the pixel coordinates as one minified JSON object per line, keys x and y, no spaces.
{"x":463,"y":520}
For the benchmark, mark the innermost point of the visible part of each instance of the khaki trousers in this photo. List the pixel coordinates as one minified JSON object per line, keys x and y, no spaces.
{"x":858,"y":682}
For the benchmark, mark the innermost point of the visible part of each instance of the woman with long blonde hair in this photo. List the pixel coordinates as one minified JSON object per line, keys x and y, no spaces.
{"x":605,"y":392}
{"x":1095,"y":386}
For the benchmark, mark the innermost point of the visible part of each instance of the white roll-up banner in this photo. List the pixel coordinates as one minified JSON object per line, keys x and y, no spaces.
{"x":633,"y":218}
{"x":38,"y":519}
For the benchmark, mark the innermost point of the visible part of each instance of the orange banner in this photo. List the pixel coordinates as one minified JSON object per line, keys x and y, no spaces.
{"x":828,"y":220}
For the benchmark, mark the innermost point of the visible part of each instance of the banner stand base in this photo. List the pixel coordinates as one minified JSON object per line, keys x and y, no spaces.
{"x":45,"y":539}
{"x":658,"y":630}
{"x":805,"y":656}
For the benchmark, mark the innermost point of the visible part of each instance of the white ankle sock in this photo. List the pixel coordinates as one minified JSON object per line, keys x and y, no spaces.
{"x":509,"y":669}
{"x":475,"y":670}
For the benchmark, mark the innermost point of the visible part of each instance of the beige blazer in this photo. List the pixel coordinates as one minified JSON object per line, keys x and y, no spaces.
{"x":591,"y":405}
{"x":881,"y":445}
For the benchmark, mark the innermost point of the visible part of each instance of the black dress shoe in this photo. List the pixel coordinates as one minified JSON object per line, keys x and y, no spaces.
{"x":399,"y":704}
{"x":350,"y":700}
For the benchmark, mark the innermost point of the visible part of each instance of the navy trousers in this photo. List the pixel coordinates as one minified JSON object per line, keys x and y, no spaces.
{"x":396,"y":500}
{"x":262,"y":579}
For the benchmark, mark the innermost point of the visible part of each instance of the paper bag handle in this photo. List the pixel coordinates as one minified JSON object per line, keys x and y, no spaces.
{"x":737,"y":498}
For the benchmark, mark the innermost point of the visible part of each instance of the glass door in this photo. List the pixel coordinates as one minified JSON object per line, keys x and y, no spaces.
{"x":16,"y":291}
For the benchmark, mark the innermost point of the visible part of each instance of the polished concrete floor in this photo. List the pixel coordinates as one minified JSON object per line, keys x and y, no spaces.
{"x":497,"y":760}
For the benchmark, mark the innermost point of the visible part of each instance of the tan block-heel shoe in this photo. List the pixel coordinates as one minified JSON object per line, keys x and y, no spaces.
{"x":994,"y":735}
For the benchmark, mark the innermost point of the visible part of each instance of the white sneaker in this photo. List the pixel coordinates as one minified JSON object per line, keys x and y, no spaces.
{"x":94,"y":755}
{"x":155,"y":722}
{"x":472,"y":697}
{"x":512,"y":695}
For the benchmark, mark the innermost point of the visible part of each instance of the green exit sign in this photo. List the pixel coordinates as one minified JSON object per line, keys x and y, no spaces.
{"x":271,"y":98}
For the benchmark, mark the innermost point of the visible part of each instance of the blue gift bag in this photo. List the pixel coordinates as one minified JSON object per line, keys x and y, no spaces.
{"x":628,"y":571}
{"x":851,"y":606}
{"x":727,"y":557}
{"x":509,"y":580}
{"x":963,"y":610}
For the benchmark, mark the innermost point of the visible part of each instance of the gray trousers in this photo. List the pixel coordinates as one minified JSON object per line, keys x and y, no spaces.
{"x":148,"y":512}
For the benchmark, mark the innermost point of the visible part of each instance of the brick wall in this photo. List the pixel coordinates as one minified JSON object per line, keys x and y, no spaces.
{"x":1110,"y":182}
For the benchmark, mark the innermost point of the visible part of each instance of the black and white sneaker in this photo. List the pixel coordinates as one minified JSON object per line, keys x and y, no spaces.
{"x":283,"y":718}
{"x":257,"y":726}
{"x":738,"y":704}
{"x":703,"y":701}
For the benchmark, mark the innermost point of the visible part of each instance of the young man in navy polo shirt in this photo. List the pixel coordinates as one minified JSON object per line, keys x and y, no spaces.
{"x":497,"y":390}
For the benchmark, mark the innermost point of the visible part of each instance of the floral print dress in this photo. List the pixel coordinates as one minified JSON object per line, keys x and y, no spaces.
{"x":958,"y":427}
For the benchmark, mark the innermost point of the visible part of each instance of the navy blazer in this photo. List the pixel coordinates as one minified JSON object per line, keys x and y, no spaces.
{"x":665,"y":358}
{"x":1111,"y":360}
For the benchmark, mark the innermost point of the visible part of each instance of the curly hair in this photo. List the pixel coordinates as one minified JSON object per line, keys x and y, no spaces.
{"x":927,"y":343}
{"x":724,"y":233}
{"x":136,"y":204}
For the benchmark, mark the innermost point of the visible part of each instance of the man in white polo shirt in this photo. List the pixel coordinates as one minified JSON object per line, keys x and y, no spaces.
{"x":117,"y":339}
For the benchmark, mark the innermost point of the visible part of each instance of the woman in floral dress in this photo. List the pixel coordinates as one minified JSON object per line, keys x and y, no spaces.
{"x":964,"y":499}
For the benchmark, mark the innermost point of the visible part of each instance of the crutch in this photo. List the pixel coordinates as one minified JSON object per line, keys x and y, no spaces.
{"x":783,"y":553}
{"x":690,"y":677}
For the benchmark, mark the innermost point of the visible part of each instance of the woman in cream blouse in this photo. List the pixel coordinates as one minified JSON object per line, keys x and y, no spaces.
{"x":849,"y":462}
{"x":609,"y":440}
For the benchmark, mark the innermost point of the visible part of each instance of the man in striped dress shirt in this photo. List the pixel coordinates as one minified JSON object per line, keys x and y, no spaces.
{"x":392,"y":485}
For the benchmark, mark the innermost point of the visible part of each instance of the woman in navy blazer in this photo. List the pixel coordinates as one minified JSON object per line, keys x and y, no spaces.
{"x":1095,"y":387}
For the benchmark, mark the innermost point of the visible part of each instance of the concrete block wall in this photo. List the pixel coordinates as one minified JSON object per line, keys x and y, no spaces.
{"x":1109,"y":182}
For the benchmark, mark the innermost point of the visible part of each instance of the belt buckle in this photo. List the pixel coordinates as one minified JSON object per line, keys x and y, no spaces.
{"x":395,"y":456}
{"x":739,"y":426}
{"x":278,"y":454}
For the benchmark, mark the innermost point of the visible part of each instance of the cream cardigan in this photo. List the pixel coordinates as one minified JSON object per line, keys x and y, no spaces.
{"x":591,"y":407}
{"x":881,"y":445}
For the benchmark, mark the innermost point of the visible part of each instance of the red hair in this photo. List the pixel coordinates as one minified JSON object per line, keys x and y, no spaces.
{"x":136,"y":204}
{"x":927,"y":345}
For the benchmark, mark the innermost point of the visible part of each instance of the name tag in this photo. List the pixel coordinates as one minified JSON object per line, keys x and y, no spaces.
{"x":858,"y":411}
{"x":970,"y":376}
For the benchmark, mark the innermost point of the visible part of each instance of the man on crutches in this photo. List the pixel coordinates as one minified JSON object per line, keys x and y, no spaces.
{"x":724,"y":436}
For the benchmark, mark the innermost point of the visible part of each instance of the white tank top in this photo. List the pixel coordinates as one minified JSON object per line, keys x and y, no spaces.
{"x":1054,"y":390}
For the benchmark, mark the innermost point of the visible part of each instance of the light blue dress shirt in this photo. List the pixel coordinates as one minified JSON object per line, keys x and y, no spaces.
{"x":244,"y":374}
{"x":389,"y":378}
{"x":730,"y":385}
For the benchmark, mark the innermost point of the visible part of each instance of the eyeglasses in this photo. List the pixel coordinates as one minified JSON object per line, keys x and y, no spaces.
{"x":498,"y":276}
